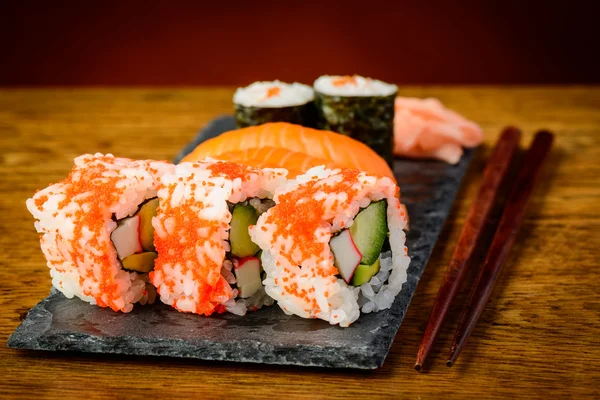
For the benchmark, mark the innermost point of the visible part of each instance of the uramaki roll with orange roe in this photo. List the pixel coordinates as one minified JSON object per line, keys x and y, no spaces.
{"x":207,"y":262}
{"x":334,"y":245}
{"x":96,"y":229}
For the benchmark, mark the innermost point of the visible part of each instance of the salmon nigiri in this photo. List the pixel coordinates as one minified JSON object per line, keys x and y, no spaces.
{"x":275,"y":157}
{"x":334,"y":147}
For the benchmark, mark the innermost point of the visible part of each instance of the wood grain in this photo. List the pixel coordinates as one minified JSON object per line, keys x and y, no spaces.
{"x":538,"y":337}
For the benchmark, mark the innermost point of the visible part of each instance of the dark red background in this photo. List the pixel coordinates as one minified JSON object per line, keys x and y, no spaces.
{"x":236,"y":42}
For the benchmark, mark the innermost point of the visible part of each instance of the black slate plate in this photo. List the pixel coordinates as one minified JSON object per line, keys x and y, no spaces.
{"x":268,"y":335}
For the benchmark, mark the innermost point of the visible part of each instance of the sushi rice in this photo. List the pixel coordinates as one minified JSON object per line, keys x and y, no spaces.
{"x":336,"y":85}
{"x":295,"y":235}
{"x":192,"y":273}
{"x":76,"y":218}
{"x":273,"y":94}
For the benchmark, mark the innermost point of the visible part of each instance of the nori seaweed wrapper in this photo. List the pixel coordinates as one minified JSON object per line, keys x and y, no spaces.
{"x":304,"y":114}
{"x":369,"y":119}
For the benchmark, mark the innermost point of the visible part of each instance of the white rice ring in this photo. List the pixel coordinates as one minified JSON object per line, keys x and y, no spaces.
{"x":296,"y":256}
{"x":335,"y":85}
{"x":273,"y":94}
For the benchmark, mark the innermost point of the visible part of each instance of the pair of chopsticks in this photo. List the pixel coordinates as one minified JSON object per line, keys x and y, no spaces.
{"x":495,"y":173}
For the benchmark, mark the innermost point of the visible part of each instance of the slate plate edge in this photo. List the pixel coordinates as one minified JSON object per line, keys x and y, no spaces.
{"x":78,"y":342}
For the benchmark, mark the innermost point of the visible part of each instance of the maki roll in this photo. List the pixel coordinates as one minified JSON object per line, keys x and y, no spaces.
{"x":334,"y":245}
{"x":96,"y":230}
{"x":206,"y":260}
{"x":276,"y":101}
{"x":361,"y":108}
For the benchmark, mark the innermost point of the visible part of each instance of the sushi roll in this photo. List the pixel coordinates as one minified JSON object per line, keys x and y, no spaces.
{"x":361,"y":108}
{"x":96,"y":230}
{"x":206,"y":260}
{"x":276,"y":101}
{"x":334,"y":245}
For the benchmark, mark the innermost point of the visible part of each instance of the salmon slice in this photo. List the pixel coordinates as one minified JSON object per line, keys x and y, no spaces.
{"x":341,"y":150}
{"x":275,"y":157}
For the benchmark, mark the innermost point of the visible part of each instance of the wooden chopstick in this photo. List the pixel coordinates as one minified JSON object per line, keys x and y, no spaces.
{"x":504,"y":238}
{"x":494,"y":174}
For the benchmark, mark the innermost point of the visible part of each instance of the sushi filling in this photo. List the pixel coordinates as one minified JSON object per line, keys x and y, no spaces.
{"x":361,"y":252}
{"x":134,"y":242}
{"x":242,"y":267}
{"x":133,"y":239}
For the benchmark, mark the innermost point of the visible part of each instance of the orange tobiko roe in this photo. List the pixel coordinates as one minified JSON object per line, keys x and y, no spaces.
{"x":272,"y":92}
{"x":211,"y":287}
{"x":105,"y":191}
{"x":345,"y":80}
{"x":302,"y":223}
{"x":230,"y":170}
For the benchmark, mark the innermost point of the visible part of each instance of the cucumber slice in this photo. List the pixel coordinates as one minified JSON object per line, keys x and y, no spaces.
{"x":364,"y":273}
{"x":369,"y":231}
{"x":140,"y":262}
{"x":146,"y":212}
{"x":239,"y":238}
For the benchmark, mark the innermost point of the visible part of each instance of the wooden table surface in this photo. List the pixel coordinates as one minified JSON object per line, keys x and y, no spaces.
{"x":539,"y":336}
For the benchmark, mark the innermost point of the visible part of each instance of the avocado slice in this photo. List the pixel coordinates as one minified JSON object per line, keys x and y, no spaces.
{"x":364,"y":273}
{"x":239,"y":238}
{"x":140,"y":262}
{"x":369,"y":231}
{"x":146,"y":212}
